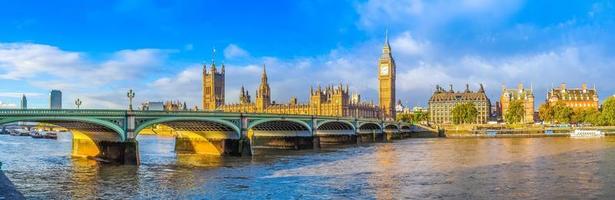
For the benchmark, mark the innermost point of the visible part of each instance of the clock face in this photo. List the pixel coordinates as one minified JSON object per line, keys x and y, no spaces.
{"x":384,"y":69}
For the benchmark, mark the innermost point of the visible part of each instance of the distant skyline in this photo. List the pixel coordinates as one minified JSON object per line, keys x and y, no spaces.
{"x":97,"y":50}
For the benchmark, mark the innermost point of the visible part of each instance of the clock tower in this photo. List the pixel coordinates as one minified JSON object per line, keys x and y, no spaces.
{"x":386,"y":79}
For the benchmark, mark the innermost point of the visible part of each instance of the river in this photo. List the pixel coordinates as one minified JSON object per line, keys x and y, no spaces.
{"x":437,"y":168}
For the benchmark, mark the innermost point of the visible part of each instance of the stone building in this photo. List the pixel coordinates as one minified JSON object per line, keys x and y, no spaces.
{"x":327,"y":101}
{"x":576,"y":98}
{"x":323,"y":101}
{"x":443,"y":101}
{"x":526,"y":96}
{"x":386,"y":80}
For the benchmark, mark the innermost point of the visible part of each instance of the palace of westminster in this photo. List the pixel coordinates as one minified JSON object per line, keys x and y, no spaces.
{"x":338,"y":101}
{"x":328,"y":101}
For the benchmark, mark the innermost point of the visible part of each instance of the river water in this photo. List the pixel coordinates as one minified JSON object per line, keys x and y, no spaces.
{"x":497,"y":168}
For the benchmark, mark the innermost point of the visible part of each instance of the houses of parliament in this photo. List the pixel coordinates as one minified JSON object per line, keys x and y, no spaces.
{"x":323,"y":101}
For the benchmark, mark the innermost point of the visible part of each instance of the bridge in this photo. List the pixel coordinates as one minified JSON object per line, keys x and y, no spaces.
{"x":111,"y":134}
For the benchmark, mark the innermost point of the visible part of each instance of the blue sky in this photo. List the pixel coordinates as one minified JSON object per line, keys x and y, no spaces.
{"x":96,"y":50}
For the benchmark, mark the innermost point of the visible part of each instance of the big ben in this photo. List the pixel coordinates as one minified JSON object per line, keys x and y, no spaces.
{"x":386,"y":78}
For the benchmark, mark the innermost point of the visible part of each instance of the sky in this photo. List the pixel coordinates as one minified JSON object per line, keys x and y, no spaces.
{"x":98,"y":49}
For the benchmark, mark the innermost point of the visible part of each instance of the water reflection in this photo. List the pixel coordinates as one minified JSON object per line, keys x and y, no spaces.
{"x":503,"y":168}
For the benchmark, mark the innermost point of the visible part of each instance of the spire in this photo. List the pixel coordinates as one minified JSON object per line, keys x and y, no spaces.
{"x":386,"y":37}
{"x":264,"y":75}
{"x":386,"y":49}
{"x":222,"y":70}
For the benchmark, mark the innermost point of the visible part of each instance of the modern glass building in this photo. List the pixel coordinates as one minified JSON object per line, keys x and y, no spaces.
{"x":24,"y":102}
{"x":55,"y":99}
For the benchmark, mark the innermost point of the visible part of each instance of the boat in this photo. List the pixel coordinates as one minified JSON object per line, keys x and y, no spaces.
{"x":51,"y":135}
{"x":579,"y":133}
{"x":37,"y":134}
{"x":20,"y":132}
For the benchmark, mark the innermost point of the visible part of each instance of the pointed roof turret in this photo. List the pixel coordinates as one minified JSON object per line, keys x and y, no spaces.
{"x":386,"y":49}
{"x":264,"y":75}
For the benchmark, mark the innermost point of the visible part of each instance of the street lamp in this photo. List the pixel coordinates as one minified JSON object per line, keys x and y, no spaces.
{"x":130,"y":96}
{"x":78,"y":103}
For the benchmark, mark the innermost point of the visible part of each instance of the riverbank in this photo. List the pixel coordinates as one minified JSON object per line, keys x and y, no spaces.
{"x":7,"y":189}
{"x":505,"y":131}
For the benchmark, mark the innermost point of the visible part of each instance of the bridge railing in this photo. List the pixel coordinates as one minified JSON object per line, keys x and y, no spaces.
{"x":61,"y":112}
{"x":111,"y":112}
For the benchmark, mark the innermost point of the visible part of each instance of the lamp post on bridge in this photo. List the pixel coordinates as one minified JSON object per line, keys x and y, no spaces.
{"x":78,"y":103}
{"x":130,"y":95}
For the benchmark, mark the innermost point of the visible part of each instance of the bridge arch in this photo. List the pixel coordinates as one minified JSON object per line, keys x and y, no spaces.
{"x":280,"y":124}
{"x":370,"y":126}
{"x":391,"y":126}
{"x":335,"y":125}
{"x":209,"y":123}
{"x":72,"y":123}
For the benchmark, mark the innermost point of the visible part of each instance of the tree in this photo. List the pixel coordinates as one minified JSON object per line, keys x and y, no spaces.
{"x":404,"y":117}
{"x":585,"y":115}
{"x":545,"y":112}
{"x":420,"y":116}
{"x":515,"y":112}
{"x":608,"y":111}
{"x":464,"y":113}
{"x":562,"y":113}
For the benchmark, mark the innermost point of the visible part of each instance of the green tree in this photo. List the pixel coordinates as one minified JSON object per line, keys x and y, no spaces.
{"x":562,"y":113}
{"x":546,"y":113}
{"x":608,"y":111}
{"x":464,"y":113}
{"x":585,"y":115}
{"x":420,"y":116}
{"x":515,"y":112}
{"x":404,"y":117}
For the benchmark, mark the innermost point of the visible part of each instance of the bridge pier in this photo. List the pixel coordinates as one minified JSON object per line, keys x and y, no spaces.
{"x":283,"y":142}
{"x":335,"y":137}
{"x":197,"y":143}
{"x":116,"y":152}
{"x":332,"y":140}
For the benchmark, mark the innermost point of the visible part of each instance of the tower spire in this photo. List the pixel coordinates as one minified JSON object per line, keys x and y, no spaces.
{"x":264,"y":75}
{"x":386,"y":37}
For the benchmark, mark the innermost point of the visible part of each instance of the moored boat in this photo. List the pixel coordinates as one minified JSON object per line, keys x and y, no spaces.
{"x":37,"y":134}
{"x":51,"y":135}
{"x":586,"y":133}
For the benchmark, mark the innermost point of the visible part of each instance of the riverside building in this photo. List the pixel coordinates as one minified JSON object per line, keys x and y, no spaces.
{"x":323,"y":101}
{"x":576,"y":98}
{"x":524,"y":95}
{"x":443,"y":101}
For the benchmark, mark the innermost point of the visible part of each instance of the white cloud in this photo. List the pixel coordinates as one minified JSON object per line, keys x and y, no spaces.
{"x":48,"y":67}
{"x":7,"y":105}
{"x":233,"y":51}
{"x":406,"y":44}
{"x":26,"y":60}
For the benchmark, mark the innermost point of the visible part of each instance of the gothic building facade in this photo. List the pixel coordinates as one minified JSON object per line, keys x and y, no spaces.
{"x":442,"y":103}
{"x":386,"y":78}
{"x":323,"y":101}
{"x":524,"y":95}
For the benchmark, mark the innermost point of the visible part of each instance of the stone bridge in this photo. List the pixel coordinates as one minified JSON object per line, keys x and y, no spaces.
{"x":111,"y":134}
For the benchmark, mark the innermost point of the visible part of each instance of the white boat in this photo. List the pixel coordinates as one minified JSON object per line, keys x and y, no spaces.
{"x":587,"y":133}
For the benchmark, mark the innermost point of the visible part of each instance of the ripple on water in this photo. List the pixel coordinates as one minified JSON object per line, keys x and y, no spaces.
{"x":503,"y":168}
